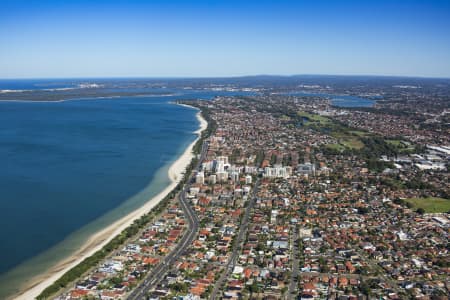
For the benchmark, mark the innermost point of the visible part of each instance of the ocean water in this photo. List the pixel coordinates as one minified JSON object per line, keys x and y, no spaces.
{"x":35,"y":84}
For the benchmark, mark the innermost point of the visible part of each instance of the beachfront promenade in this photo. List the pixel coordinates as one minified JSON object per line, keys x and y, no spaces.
{"x":154,"y":276}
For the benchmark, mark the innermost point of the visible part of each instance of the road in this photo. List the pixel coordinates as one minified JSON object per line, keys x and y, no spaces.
{"x":295,"y":262}
{"x":157,"y":274}
{"x":237,"y":244}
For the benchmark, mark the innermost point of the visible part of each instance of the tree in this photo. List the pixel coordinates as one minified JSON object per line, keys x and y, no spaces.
{"x":179,"y":287}
{"x":420,"y":211}
{"x":365,"y":288}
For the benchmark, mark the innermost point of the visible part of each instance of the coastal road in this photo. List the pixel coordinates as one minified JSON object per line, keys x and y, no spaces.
{"x":237,"y":245}
{"x":156,"y":274}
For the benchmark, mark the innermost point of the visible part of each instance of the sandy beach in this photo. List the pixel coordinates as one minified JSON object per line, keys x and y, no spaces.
{"x":102,"y":237}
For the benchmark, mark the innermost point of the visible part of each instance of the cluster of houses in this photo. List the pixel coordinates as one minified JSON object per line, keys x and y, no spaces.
{"x":121,"y":271}
{"x":351,"y":231}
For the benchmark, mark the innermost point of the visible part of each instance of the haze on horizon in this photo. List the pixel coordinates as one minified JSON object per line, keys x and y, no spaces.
{"x":56,"y":39}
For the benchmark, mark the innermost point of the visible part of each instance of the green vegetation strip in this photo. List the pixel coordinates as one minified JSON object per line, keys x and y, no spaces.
{"x":353,"y":141}
{"x":91,"y":261}
{"x":430,"y":204}
{"x":347,"y":138}
{"x":314,"y":118}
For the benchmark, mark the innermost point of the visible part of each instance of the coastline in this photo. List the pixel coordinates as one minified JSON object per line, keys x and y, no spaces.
{"x":102,"y":237}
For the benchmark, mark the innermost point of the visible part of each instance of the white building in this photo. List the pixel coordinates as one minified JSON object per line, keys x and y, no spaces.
{"x":234,"y":176}
{"x":273,"y":216}
{"x":200,"y":178}
{"x":222,"y":176}
{"x":193,"y":191}
{"x":277,"y":172}
{"x":207,"y":166}
{"x":223,"y":159}
{"x":212,"y":179}
{"x":250,"y":170}
{"x":219,"y":166}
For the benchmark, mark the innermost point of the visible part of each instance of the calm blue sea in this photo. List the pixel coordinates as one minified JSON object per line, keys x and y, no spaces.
{"x":65,"y":164}
{"x":36,"y":84}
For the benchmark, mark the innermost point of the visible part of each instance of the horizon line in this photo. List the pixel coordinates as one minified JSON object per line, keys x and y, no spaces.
{"x":228,"y":77}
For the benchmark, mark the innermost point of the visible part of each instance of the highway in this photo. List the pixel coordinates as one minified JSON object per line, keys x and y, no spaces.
{"x":157,"y":274}
{"x":237,"y":245}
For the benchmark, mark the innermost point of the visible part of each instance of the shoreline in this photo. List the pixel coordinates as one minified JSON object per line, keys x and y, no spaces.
{"x":96,"y":241}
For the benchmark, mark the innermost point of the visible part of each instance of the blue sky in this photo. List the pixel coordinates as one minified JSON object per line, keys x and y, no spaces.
{"x":223,"y":38}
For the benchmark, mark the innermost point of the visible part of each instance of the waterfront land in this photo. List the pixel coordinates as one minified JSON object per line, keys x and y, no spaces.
{"x":294,"y":196}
